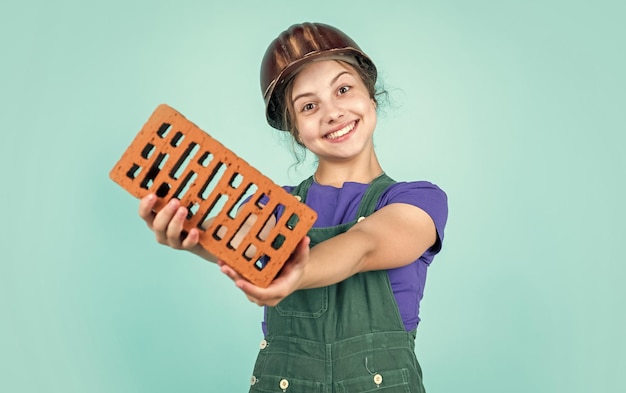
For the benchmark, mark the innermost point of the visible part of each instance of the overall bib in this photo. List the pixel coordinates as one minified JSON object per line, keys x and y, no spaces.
{"x":347,"y":337}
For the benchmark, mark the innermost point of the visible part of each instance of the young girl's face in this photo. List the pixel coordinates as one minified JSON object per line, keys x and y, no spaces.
{"x":334,"y":113}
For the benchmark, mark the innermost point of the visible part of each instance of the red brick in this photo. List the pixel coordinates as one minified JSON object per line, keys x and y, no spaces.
{"x":138,"y":172}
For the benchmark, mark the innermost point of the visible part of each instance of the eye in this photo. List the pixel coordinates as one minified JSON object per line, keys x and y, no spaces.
{"x":308,"y":107}
{"x":343,"y":90}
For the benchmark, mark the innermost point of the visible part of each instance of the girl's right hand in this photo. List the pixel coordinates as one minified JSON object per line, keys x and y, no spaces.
{"x":167,"y":226}
{"x":287,"y":281}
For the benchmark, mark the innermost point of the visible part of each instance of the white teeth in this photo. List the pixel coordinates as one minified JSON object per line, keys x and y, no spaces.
{"x":340,"y":133}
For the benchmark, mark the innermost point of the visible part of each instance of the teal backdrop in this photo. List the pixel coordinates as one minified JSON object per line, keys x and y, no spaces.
{"x":515,"y":108}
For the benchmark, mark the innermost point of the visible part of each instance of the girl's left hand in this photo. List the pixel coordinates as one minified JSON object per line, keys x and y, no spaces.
{"x":284,"y":284}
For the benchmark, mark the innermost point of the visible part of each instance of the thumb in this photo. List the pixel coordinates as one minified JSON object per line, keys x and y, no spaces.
{"x":302,"y":250}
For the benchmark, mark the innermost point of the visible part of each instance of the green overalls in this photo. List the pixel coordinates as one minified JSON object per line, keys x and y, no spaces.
{"x":347,"y":337}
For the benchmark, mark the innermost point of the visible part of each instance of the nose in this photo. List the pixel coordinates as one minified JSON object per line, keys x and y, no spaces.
{"x":334,"y":112}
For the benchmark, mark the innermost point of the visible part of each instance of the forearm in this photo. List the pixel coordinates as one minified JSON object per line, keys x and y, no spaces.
{"x":336,"y":259}
{"x":393,"y":237}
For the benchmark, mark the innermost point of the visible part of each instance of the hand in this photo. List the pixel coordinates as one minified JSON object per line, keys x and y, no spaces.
{"x":167,"y":226}
{"x":287,"y":281}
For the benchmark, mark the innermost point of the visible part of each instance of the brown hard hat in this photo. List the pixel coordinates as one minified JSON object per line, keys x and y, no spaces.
{"x":294,"y":48}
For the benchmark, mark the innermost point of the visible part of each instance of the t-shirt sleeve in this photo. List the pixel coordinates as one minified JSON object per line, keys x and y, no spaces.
{"x":425,"y":195}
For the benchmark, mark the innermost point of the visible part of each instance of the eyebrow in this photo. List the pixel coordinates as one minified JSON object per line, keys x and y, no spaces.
{"x":332,"y":82}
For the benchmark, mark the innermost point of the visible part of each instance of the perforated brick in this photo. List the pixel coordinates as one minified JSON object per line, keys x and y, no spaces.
{"x":173,"y":158}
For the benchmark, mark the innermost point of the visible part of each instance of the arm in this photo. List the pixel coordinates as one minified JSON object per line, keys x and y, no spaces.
{"x":394,"y":236}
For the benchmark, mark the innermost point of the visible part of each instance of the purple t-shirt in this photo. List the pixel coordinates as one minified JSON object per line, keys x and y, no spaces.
{"x":336,"y":206}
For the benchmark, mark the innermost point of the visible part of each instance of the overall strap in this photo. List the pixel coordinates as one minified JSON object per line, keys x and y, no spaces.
{"x":303,"y":188}
{"x":373,"y":193}
{"x":369,"y":200}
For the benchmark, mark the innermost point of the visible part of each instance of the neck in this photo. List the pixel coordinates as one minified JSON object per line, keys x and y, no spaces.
{"x":337,"y":173}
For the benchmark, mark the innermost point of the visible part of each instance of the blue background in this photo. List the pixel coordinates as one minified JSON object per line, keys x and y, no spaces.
{"x":515,"y":108}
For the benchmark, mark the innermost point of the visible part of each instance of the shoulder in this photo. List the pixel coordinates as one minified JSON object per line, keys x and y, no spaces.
{"x":413,"y":192}
{"x":423,"y":194}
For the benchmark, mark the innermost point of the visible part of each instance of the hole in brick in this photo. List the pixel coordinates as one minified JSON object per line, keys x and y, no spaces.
{"x":249,"y":192}
{"x":292,"y":221}
{"x":218,"y":204}
{"x":183,"y":161}
{"x":220,"y":232}
{"x":205,"y":159}
{"x":278,"y":211}
{"x":164,"y":130}
{"x":236,"y":180}
{"x":177,"y":139}
{"x":249,"y":253}
{"x":262,"y":200}
{"x":212,"y":181}
{"x":163,"y":189}
{"x":262,"y":262}
{"x":242,"y":232}
{"x":133,"y":171}
{"x":278,"y":241}
{"x":154,"y":170}
{"x":232,"y":245}
{"x":184,"y":186}
{"x":147,"y":151}
{"x":192,"y":209}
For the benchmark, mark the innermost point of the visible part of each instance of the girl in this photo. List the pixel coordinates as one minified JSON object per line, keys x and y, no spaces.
{"x":342,"y":314}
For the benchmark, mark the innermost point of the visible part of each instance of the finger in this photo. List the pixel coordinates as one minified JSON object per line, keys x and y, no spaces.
{"x":240,"y":282}
{"x":230,"y":272}
{"x":174,"y":231}
{"x":302,"y":249}
{"x":162,"y":220}
{"x":269,"y":296}
{"x":146,"y":204}
{"x":285,"y":283}
{"x":192,"y":239}
{"x":297,"y":258}
{"x":304,"y":244}
{"x":255,"y":301}
{"x":261,"y":296}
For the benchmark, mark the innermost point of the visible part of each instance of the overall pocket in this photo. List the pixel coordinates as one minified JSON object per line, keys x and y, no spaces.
{"x":276,"y":384}
{"x":306,"y":303}
{"x":391,"y":381}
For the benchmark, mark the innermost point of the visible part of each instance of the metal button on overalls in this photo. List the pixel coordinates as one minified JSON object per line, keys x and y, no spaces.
{"x":284,"y":384}
{"x":263,"y":344}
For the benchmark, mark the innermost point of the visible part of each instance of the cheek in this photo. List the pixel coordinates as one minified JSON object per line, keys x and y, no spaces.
{"x":368,"y":107}
{"x":304,"y":125}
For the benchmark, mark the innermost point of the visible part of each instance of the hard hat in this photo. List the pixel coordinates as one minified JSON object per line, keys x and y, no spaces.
{"x":294,"y":48}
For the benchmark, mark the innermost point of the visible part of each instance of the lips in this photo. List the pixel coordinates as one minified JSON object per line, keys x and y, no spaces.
{"x":341,"y":132}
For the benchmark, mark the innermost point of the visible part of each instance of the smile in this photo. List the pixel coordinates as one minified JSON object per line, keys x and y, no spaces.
{"x":339,"y":133}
